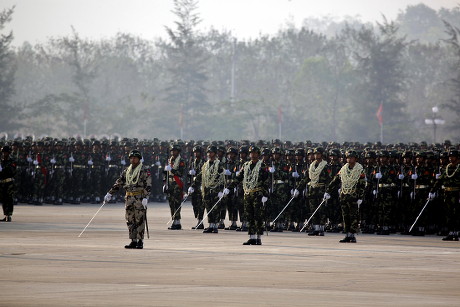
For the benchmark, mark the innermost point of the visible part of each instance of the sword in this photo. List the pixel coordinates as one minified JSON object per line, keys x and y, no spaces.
{"x":199,"y":224}
{"x":172,"y":217}
{"x":419,"y":215}
{"x":103,"y":203}
{"x":306,"y":223}
{"x":147,"y":224}
{"x":283,"y":209}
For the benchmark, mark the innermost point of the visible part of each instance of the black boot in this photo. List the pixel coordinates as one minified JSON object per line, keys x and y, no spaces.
{"x":133,"y":244}
{"x":251,"y":242}
{"x":348,"y":239}
{"x":451,"y":237}
{"x":208,"y":230}
{"x":140,"y":244}
{"x":198,"y":227}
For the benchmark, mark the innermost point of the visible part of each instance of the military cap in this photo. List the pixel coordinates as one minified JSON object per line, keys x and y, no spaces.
{"x":351,"y":153}
{"x":334,"y":153}
{"x":384,"y":153}
{"x":408,"y":154}
{"x":319,"y":150}
{"x":265,"y":151}
{"x":221,"y":148}
{"x":254,"y":148}
{"x":212,"y":148}
{"x":135,"y":153}
{"x":290,"y":152}
{"x":421,"y":154}
{"x":232,"y":150}
{"x":175,"y":147}
{"x":299,"y":152}
{"x":197,"y":148}
{"x":444,"y":155}
{"x":370,"y":155}
{"x":276,"y":150}
{"x":453,"y":153}
{"x":244,"y":149}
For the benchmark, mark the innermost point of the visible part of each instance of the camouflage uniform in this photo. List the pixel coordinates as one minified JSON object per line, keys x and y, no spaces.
{"x":174,"y":187}
{"x":135,"y":211}
{"x":196,"y":197}
{"x":7,"y":189}
{"x":279,"y":196}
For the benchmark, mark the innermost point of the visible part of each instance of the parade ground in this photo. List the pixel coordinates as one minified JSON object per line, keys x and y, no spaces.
{"x":45,"y":263}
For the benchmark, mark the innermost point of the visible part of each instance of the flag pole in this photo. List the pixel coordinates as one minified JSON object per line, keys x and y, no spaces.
{"x":381,"y":133}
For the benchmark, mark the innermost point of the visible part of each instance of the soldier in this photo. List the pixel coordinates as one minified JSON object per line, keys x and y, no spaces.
{"x":173,"y":185}
{"x":279,"y":196}
{"x":137,"y":183}
{"x":244,"y":152}
{"x":449,"y":182}
{"x":333,"y":204}
{"x":255,"y":178}
{"x":7,"y":174}
{"x":197,"y":197}
{"x":351,"y":179}
{"x":230,"y":199}
{"x":211,"y":177}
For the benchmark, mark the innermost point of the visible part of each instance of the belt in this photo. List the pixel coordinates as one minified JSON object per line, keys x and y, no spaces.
{"x":387,"y":185}
{"x":38,"y":166}
{"x":253,"y":190}
{"x":79,"y":166}
{"x":96,"y":166}
{"x":7,"y":180}
{"x":316,"y":185}
{"x":113,"y":166}
{"x":451,"y":189}
{"x":135,"y":193}
{"x":279,"y":181}
{"x":60,"y":166}
{"x":422,"y":186}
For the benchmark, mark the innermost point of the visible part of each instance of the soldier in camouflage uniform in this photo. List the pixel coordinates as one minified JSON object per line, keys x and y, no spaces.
{"x":255,"y":178}
{"x":137,"y":183}
{"x":96,"y":169}
{"x":352,"y":181}
{"x":279,"y":196}
{"x":7,"y":174}
{"x":333,"y":204}
{"x":173,"y":185}
{"x":197,"y":197}
{"x":230,"y":199}
{"x":449,"y":183}
{"x":239,"y":195}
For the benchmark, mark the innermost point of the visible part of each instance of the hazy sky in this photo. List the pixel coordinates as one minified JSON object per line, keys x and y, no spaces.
{"x":37,"y":20}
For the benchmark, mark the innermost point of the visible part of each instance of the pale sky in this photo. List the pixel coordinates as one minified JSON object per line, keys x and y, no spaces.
{"x":37,"y":20}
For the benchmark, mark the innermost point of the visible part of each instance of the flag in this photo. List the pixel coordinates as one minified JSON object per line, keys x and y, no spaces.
{"x":280,"y":115}
{"x":379,"y":114}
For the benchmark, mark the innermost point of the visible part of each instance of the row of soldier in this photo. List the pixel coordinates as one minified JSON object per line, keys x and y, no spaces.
{"x":396,"y":189}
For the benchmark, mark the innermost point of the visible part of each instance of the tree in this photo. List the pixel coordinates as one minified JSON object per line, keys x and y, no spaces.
{"x":7,"y":74}
{"x":186,"y":92}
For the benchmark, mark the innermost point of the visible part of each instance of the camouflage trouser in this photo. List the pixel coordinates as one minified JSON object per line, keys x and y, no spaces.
{"x":232,"y":206}
{"x":175,"y":199}
{"x":6,"y":197}
{"x":239,"y":200}
{"x":197,"y":204}
{"x":210,"y":198}
{"x":56,"y":183}
{"x":349,"y":212}
{"x":39,"y":183}
{"x":315,"y":196}
{"x":76,"y":183}
{"x":386,"y":206}
{"x":135,"y":217}
{"x":95,"y":186}
{"x":452,"y":203}
{"x":279,"y":199}
{"x":254,"y":213}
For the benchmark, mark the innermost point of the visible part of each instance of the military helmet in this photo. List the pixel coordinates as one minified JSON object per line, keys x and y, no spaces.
{"x":175,"y":147}
{"x":135,"y":153}
{"x":370,"y":155}
{"x":408,"y":154}
{"x":453,"y":153}
{"x":265,"y":151}
{"x":334,"y":153}
{"x":444,"y":155}
{"x":6,"y":148}
{"x":212,"y":148}
{"x":351,"y":153}
{"x":221,"y":148}
{"x":384,"y":153}
{"x":319,"y":150}
{"x":276,"y":150}
{"x":254,"y":149}
{"x":421,"y":154}
{"x":244,"y":149}
{"x":197,"y":148}
{"x":232,"y":150}
{"x":300,"y":152}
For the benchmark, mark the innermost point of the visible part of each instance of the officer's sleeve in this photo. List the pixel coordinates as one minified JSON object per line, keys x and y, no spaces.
{"x":119,"y":183}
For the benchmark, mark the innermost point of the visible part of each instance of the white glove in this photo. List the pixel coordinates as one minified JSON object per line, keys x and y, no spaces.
{"x":326,"y":196}
{"x":158,"y":163}
{"x":220,"y":194}
{"x":165,"y":188}
{"x":123,"y":162}
{"x":35,"y":162}
{"x":295,"y":175}
{"x":431,"y":195}
{"x":142,"y":160}
{"x":374,"y":192}
{"x":108,"y":158}
{"x":339,"y":190}
{"x":90,"y":162}
{"x":53,"y":161}
{"x":438,"y":176}
{"x":296,"y":193}
{"x":226,"y":191}
{"x":29,"y":159}
{"x":1,"y":168}
{"x":192,"y":172}
{"x":271,"y":169}
{"x":108,"y":197}
{"x":144,"y":203}
{"x":264,"y":199}
{"x":359,"y":202}
{"x":401,"y":177}
{"x":168,"y":168}
{"x":414,"y":176}
{"x":378,"y":175}
{"x":227,"y":172}
{"x":190,"y":190}
{"x":71,"y":159}
{"x":237,"y":173}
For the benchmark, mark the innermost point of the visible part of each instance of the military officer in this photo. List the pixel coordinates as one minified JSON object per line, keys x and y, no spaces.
{"x":7,"y":174}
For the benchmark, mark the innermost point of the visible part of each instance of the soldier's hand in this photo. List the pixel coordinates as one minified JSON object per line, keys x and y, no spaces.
{"x":378,"y":175}
{"x":168,"y":168}
{"x":158,"y":163}
{"x":165,"y":188}
{"x":1,"y":169}
{"x":227,"y":172}
{"x":431,"y":195}
{"x":226,"y":191}
{"x":220,"y":194}
{"x":190,"y":190}
{"x":192,"y":172}
{"x":264,"y":199}
{"x":35,"y":162}
{"x":401,"y":176}
{"x":71,"y":160}
{"x":326,"y":196}
{"x":90,"y":162}
{"x":144,"y":203}
{"x":438,"y":176}
{"x":295,"y":175}
{"x":107,"y":197}
{"x":271,"y":169}
{"x":359,"y":202}
{"x":414,"y":176}
{"x":53,"y":161}
{"x":296,"y":193}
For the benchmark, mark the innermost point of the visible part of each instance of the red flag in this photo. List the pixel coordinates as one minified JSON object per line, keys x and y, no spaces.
{"x":379,"y":114}
{"x":280,"y":115}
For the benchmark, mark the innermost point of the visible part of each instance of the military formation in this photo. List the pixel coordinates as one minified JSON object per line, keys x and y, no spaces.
{"x":258,"y":186}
